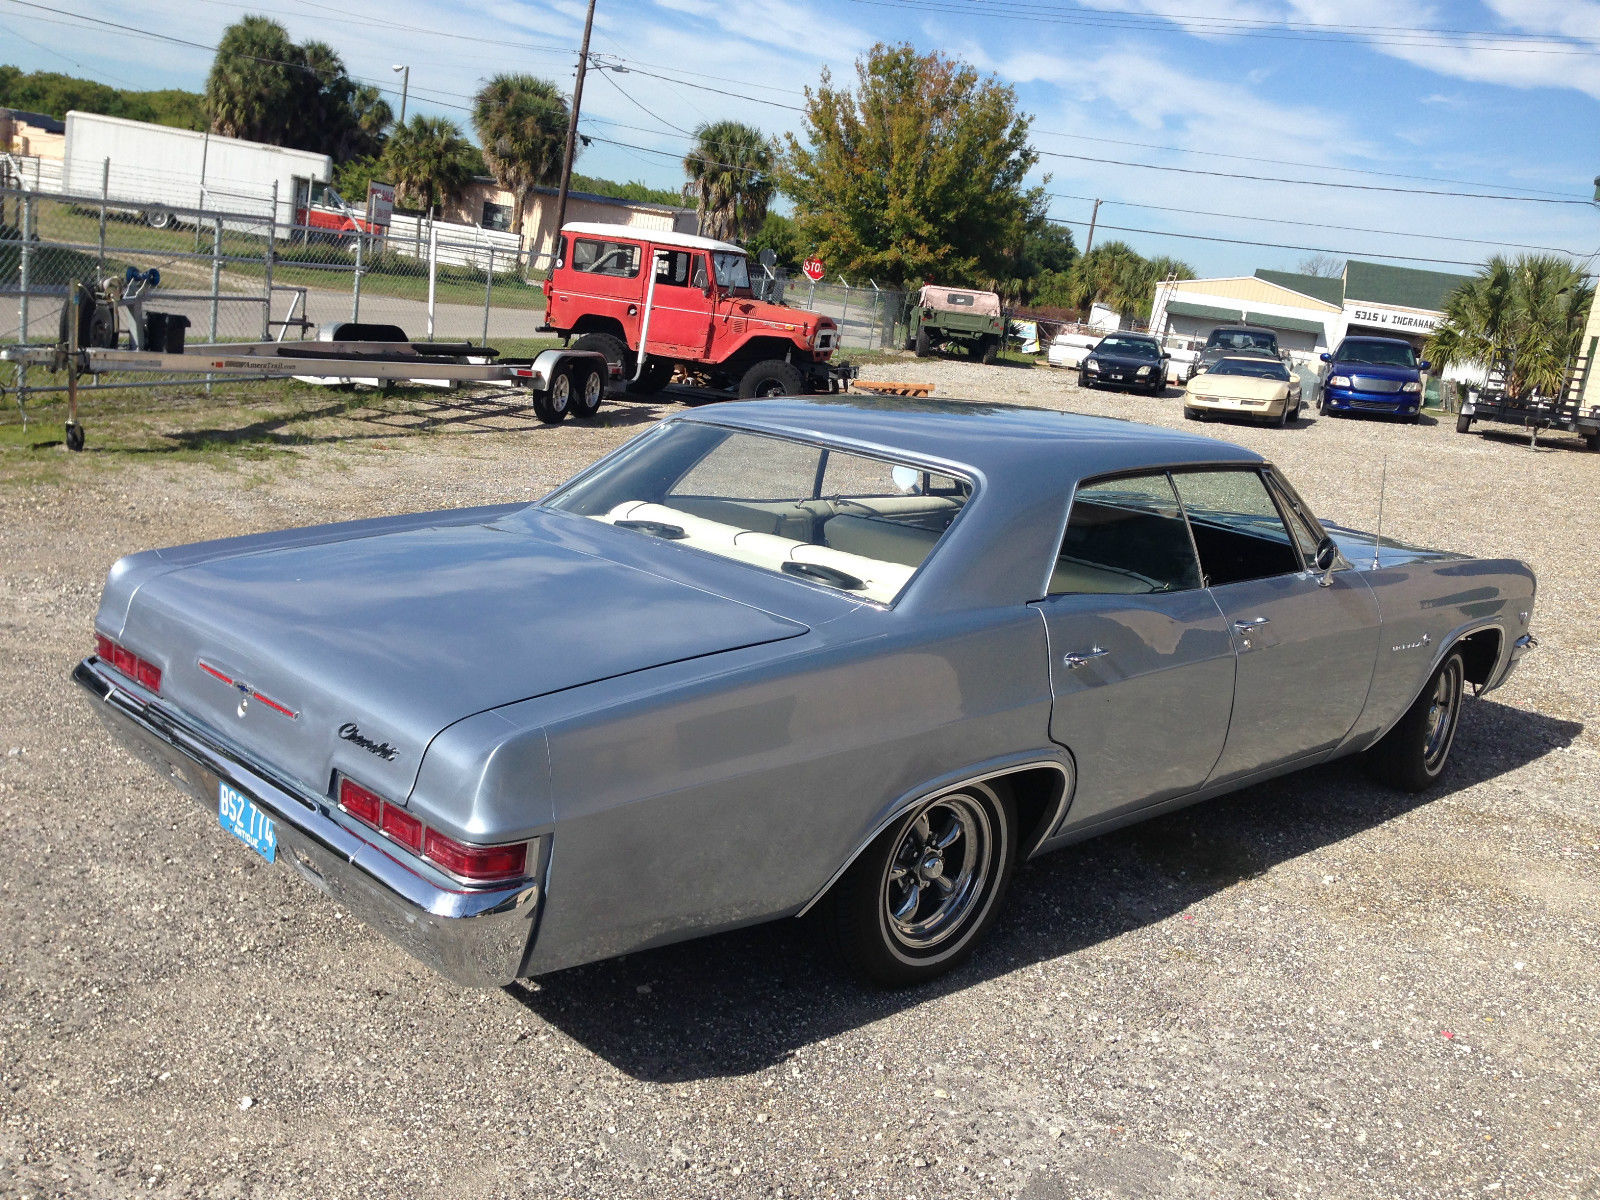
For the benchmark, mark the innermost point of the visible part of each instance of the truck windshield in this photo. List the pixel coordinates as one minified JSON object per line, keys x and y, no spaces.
{"x":733,"y":270}
{"x":1378,"y":354}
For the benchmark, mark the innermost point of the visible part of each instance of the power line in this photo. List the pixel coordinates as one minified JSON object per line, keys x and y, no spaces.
{"x":1432,"y":237}
{"x":1197,"y":24}
{"x":1327,"y":183}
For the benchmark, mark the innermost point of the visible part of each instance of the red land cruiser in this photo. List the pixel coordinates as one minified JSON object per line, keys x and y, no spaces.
{"x":687,"y":302}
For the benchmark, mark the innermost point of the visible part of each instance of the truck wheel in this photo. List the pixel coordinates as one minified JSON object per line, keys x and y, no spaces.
{"x":656,"y":375}
{"x":1412,"y":755}
{"x":921,"y":345}
{"x":157,"y":218}
{"x":987,"y":351}
{"x":1592,"y":440}
{"x":551,"y":407}
{"x":771,"y":377}
{"x":588,"y":389}
{"x":614,"y":348}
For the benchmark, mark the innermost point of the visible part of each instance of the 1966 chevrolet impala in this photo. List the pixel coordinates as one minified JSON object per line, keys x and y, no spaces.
{"x":779,"y":655}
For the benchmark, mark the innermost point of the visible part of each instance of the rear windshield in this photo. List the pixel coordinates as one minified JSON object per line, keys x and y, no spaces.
{"x":1132,"y":347}
{"x":848,"y":522}
{"x":1243,"y":339}
{"x":1378,"y":354}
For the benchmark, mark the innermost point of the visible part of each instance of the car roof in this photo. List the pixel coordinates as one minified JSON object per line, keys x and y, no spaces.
{"x":996,"y":441}
{"x":657,"y":237}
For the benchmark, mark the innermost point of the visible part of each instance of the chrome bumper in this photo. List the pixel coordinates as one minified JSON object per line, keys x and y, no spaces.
{"x":480,"y":938}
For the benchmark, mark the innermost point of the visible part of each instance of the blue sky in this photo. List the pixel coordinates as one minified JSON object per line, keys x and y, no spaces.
{"x":1371,"y":85}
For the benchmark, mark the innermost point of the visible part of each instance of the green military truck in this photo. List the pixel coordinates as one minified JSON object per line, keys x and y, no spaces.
{"x":941,"y":316}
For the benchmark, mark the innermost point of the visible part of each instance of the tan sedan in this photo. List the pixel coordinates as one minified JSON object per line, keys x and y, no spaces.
{"x":1263,"y":389}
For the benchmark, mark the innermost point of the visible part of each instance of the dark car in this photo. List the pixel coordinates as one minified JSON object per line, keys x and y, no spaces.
{"x":1234,"y":341}
{"x":1134,"y":361}
{"x":1373,"y":374}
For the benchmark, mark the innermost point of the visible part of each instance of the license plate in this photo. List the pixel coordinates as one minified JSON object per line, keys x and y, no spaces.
{"x":1231,"y":401}
{"x":240,"y":817}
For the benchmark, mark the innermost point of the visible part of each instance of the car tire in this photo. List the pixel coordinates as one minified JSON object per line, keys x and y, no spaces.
{"x":1414,"y":754}
{"x":1283,"y":418}
{"x":614,"y":348}
{"x":1083,"y":382}
{"x":551,"y":406}
{"x":910,"y":908}
{"x":921,"y":344}
{"x":588,"y":390}
{"x":656,"y":375}
{"x":771,"y":377}
{"x":1190,"y":414}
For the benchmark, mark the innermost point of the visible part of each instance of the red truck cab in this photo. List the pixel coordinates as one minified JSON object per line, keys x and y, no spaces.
{"x":326,"y":212}
{"x":684,"y":301}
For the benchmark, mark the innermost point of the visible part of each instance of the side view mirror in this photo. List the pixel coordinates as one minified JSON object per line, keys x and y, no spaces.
{"x":705,"y":290}
{"x":1424,"y":365}
{"x":1325,"y":356}
{"x":1327,"y":557}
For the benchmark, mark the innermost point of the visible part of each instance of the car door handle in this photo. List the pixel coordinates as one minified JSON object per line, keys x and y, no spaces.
{"x":1252,"y":623}
{"x":1073,"y":661}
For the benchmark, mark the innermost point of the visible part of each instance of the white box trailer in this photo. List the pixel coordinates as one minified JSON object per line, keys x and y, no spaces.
{"x":157,"y":171}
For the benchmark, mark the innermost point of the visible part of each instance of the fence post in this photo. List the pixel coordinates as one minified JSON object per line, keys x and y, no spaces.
{"x":216,"y":273}
{"x":105,"y":194}
{"x":433,"y":271}
{"x":266,"y":267}
{"x":355,"y":297}
{"x":25,"y":271}
{"x":844,"y":314}
{"x":488,"y":291}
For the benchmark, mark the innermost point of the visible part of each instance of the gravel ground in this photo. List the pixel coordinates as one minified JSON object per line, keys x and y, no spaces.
{"x":1311,"y":988}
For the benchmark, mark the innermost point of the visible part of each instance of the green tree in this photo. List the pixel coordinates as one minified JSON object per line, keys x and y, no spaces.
{"x":1532,"y":308}
{"x":256,"y":85}
{"x":730,"y":174}
{"x":522,"y":122}
{"x":429,"y":162}
{"x":55,"y":95}
{"x":1048,"y":252}
{"x":779,"y":234}
{"x":918,"y":174}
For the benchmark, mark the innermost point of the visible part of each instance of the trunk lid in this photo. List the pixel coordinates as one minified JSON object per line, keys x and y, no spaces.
{"x":377,"y":643}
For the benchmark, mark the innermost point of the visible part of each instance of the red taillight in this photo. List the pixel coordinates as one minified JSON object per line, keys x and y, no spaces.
{"x":146,"y":673}
{"x":402,"y":827}
{"x":477,"y":862}
{"x":361,"y":803}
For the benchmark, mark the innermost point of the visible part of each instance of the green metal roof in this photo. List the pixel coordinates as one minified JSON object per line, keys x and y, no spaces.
{"x":1182,"y":308}
{"x":1403,"y":287}
{"x":1318,"y":287}
{"x":1295,"y":324}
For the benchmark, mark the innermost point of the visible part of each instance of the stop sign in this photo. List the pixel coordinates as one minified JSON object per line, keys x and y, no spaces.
{"x":813,"y":269}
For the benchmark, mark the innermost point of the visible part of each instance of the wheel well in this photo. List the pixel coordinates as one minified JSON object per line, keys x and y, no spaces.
{"x":1038,"y":795}
{"x":1479,"y":653}
{"x":590,"y":323}
{"x":756,"y":350}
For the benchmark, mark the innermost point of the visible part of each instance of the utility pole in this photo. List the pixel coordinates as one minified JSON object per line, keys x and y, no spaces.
{"x":1088,"y":243}
{"x":405,"y":86}
{"x":572,"y":124}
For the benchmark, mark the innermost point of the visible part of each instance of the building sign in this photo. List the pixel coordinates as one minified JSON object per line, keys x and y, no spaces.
{"x":1399,"y":319}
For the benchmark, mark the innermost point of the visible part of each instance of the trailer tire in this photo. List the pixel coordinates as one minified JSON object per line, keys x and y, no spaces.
{"x":1463,"y":423}
{"x":614,"y":348}
{"x":588,"y":389}
{"x":771,"y":377}
{"x":551,"y":406}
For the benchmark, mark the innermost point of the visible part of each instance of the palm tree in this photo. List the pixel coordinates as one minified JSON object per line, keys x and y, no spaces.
{"x":255,"y":82}
{"x":730,"y":174}
{"x":430,"y":161}
{"x":1531,"y":309}
{"x":522,"y":123}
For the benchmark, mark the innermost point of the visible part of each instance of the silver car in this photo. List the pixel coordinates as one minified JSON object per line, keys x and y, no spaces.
{"x":778,"y":657}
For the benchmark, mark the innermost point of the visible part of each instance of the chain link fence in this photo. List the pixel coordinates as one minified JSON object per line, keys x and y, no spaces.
{"x":868,"y":317}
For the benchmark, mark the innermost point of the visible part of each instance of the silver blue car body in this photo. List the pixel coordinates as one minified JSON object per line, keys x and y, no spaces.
{"x":689,"y":743}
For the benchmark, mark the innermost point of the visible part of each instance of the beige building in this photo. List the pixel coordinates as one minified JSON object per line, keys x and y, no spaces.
{"x":32,"y":135}
{"x":489,"y":206}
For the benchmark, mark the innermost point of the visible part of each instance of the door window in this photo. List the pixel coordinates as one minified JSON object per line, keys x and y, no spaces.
{"x":1125,"y":536}
{"x":680,"y":268}
{"x":1237,"y":528}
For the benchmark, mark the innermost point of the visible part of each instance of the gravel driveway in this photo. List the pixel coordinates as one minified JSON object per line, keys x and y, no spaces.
{"x":1311,"y":988}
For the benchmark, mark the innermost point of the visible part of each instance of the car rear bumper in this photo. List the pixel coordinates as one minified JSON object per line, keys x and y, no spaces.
{"x":1394,"y":404}
{"x":480,"y":938}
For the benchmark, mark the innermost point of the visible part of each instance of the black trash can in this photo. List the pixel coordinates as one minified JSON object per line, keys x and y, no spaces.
{"x":164,"y":332}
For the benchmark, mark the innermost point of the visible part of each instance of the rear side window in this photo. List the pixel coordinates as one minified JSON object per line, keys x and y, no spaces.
{"x":593,"y":257}
{"x":1237,"y":529}
{"x":1126,"y":537}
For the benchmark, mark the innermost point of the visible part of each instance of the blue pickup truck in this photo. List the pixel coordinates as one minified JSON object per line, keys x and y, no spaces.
{"x":1372,"y":374}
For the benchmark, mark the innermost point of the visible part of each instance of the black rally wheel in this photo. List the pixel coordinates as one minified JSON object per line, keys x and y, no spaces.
{"x":1413,"y":755}
{"x":771,"y":377}
{"x":918,"y":900}
{"x":588,"y":389}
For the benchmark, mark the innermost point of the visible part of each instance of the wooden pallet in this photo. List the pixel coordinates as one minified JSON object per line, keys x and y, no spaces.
{"x":884,"y":387}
